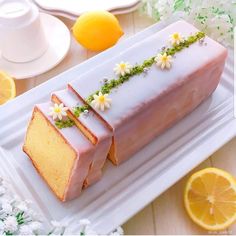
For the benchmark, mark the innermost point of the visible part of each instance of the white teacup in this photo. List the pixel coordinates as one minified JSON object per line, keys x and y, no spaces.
{"x":22,"y":36}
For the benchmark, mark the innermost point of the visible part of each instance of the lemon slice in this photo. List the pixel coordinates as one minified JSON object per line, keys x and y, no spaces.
{"x":7,"y":88}
{"x":210,"y":199}
{"x":97,"y":30}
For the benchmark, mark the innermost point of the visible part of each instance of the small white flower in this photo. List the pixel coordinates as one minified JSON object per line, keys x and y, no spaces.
{"x":1,"y":226}
{"x":85,"y":228}
{"x":55,"y":224}
{"x":165,"y":8}
{"x":90,"y":231}
{"x":58,"y":227}
{"x":163,"y":61}
{"x":85,"y":222}
{"x":22,"y":206}
{"x":10,"y":224}
{"x":215,"y":17}
{"x":7,"y":208}
{"x":15,"y":198}
{"x":28,"y":201}
{"x":34,"y":215}
{"x":35,"y":225}
{"x":122,"y":68}
{"x":58,"y":111}
{"x":2,"y":190}
{"x":176,"y":38}
{"x":26,"y":230}
{"x":117,"y":231}
{"x":218,"y":27}
{"x":101,"y":101}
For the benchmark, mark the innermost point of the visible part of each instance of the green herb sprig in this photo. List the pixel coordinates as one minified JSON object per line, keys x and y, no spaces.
{"x":20,"y":218}
{"x":60,"y":124}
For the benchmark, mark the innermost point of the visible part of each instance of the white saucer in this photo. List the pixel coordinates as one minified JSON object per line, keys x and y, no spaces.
{"x":77,"y":7}
{"x":71,"y":16}
{"x":58,"y":36}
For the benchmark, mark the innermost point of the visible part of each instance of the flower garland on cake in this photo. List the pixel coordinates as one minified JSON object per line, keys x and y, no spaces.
{"x":217,"y":18}
{"x":100,"y":99}
{"x":18,"y":217}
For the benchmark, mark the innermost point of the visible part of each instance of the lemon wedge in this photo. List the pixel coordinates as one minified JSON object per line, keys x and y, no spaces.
{"x":7,"y":88}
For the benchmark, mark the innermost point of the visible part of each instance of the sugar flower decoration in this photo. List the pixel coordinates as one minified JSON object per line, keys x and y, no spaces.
{"x":101,"y":101}
{"x":176,"y":38}
{"x":122,"y":68}
{"x":163,"y":61}
{"x":58,"y":111}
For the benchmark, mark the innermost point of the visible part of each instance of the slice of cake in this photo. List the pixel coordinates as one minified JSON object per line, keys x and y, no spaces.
{"x":61,"y":156}
{"x":149,"y":87}
{"x":92,"y":128}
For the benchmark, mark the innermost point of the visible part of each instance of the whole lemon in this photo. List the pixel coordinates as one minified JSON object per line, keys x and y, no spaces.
{"x":97,"y":30}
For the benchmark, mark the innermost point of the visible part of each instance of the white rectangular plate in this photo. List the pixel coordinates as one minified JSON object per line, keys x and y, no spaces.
{"x":126,"y":189}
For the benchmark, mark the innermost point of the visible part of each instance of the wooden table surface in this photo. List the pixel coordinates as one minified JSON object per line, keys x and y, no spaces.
{"x":165,"y":215}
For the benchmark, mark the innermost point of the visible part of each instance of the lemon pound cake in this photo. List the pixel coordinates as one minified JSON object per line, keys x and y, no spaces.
{"x":149,"y":87}
{"x":61,"y":156}
{"x":91,"y":127}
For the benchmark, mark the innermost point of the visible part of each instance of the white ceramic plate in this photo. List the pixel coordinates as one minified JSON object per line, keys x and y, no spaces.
{"x":126,"y":189}
{"x":77,"y":7}
{"x":58,"y":36}
{"x":71,"y":16}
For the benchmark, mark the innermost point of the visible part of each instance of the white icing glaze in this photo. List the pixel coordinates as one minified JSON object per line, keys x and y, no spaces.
{"x":90,"y":121}
{"x":75,"y":138}
{"x":131,"y":96}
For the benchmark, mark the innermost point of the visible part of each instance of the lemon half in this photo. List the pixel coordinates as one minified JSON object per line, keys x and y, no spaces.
{"x":210,"y":199}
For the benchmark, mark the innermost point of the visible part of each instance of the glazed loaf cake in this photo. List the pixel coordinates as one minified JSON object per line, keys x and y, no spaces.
{"x":167,"y":83}
{"x":122,"y":105}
